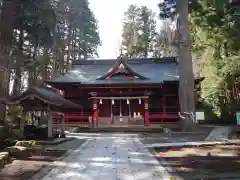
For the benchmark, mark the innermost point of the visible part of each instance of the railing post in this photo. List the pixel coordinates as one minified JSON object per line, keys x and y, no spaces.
{"x":50,"y":124}
{"x":146,"y":113}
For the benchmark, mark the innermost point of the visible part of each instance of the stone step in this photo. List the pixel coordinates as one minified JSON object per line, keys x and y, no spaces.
{"x":129,"y":129}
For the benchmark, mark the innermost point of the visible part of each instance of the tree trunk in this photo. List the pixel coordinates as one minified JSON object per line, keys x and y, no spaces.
{"x":186,"y":79}
{"x":6,"y":36}
{"x":69,"y":45}
{"x":32,"y":69}
{"x":19,"y":59}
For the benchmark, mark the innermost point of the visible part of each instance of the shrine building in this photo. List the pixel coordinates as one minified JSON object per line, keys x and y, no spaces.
{"x":121,"y":92}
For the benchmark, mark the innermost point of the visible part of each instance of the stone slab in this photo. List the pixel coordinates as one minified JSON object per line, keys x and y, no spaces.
{"x":185,"y":144}
{"x":109,"y":158}
{"x":219,"y":133}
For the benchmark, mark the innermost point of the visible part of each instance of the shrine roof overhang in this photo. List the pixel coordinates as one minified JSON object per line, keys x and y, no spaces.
{"x":94,"y":72}
{"x":41,"y":98}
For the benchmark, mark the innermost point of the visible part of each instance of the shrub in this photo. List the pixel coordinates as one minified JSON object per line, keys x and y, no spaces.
{"x":31,"y":146}
{"x":18,"y":151}
{"x":27,"y":144}
{"x":9,"y":142}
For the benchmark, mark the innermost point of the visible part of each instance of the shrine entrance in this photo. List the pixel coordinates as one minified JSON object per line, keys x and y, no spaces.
{"x":121,"y":111}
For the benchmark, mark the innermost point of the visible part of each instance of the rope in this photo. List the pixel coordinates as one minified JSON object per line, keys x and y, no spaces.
{"x":191,"y":115}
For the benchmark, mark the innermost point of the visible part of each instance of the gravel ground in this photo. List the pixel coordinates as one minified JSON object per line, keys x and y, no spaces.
{"x":174,"y":138}
{"x":68,"y":145}
{"x":209,"y":162}
{"x":24,"y":169}
{"x":199,"y":135}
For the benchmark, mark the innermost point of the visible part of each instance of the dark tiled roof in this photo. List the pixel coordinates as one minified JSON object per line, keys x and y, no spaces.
{"x":88,"y":71}
{"x":46,"y":95}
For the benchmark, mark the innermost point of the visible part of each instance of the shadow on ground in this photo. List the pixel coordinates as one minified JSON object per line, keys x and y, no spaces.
{"x":202,"y":162}
{"x":23,"y":169}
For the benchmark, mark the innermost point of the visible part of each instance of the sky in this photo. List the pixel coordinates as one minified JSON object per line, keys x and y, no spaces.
{"x":109,"y":14}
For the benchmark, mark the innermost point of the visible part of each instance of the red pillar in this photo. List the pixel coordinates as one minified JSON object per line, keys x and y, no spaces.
{"x":95,"y":112}
{"x":146,"y":114}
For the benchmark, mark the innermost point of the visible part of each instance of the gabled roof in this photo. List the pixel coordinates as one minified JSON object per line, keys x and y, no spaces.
{"x":121,"y":67}
{"x":44,"y":95}
{"x":149,"y":71}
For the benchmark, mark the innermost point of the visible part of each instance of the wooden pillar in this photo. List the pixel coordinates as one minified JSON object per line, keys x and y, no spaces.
{"x":62,"y":126}
{"x":50,"y":124}
{"x":164,"y":104}
{"x":95,"y":112}
{"x":146,"y":114}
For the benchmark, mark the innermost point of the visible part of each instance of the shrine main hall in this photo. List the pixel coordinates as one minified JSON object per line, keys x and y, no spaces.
{"x":121,"y":92}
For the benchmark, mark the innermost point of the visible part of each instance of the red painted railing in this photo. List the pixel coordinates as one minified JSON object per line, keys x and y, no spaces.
{"x":74,"y":118}
{"x":83,"y":118}
{"x":160,"y":115}
{"x":164,"y":118}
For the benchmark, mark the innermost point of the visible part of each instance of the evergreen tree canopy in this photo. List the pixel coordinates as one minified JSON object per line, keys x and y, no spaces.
{"x":215,"y":28}
{"x":139,"y":32}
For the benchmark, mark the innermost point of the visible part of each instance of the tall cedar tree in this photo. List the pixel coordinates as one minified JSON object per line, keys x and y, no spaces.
{"x":139,"y":32}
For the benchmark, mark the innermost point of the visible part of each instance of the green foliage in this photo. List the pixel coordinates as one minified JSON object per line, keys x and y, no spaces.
{"x":165,"y":42}
{"x":41,"y":38}
{"x":215,"y":29}
{"x":28,"y":144}
{"x":38,"y":19}
{"x":139,"y":32}
{"x":78,"y":28}
{"x":14,"y":113}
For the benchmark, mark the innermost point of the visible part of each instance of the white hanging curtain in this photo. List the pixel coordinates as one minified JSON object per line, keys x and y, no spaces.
{"x":139,"y":100}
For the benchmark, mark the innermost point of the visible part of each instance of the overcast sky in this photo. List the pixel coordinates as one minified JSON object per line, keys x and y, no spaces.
{"x":109,"y":14}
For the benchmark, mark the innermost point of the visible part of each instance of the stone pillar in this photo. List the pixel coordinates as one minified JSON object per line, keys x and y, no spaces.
{"x":146,"y":115}
{"x":95,"y":112}
{"x":50,"y":125}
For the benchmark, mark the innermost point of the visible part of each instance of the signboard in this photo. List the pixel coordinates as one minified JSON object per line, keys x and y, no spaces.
{"x":200,"y":116}
{"x":238,"y":117}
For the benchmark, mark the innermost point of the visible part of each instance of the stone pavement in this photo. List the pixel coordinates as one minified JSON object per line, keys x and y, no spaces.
{"x":190,"y":144}
{"x":109,"y":158}
{"x":219,"y":133}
